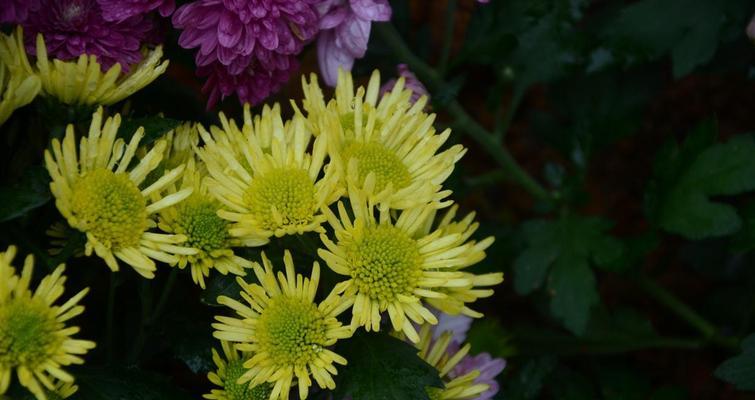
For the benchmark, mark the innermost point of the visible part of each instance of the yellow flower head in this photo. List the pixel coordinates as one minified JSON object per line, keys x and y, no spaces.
{"x":18,"y":86}
{"x":34,"y":340}
{"x":457,"y":297}
{"x":197,"y":219}
{"x":386,"y":147}
{"x":400,"y":266}
{"x":99,"y":191}
{"x":83,"y":82}
{"x":230,"y":369}
{"x":438,"y":354}
{"x":285,"y":331}
{"x":266,"y":177}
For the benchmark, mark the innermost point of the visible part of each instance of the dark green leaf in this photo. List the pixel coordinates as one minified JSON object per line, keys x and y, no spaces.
{"x":31,"y":192}
{"x":744,"y":240}
{"x":621,"y":383}
{"x":567,"y":247}
{"x":722,"y":169}
{"x":649,"y":29}
{"x":488,"y":335}
{"x":382,"y":367}
{"x":572,"y":285}
{"x":527,"y":382}
{"x":154,"y":127}
{"x":123,"y":383}
{"x":220,"y":285}
{"x":740,"y":370}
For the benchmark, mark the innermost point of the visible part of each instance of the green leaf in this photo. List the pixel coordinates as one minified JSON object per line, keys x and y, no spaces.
{"x":721,"y":170}
{"x":648,"y":29}
{"x":572,"y":285}
{"x":382,"y":367}
{"x":154,"y":127}
{"x":622,"y":383}
{"x":31,"y":192}
{"x":489,"y":336}
{"x":566,"y":247}
{"x":220,"y":285}
{"x":124,"y":383}
{"x":740,"y":370}
{"x":744,"y":240}
{"x":527,"y":382}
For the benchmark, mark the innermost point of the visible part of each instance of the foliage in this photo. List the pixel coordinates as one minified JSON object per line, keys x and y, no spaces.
{"x":382,"y":368}
{"x":610,"y":152}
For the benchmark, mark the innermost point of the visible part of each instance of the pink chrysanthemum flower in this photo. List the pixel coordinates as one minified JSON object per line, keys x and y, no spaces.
{"x":252,"y":85}
{"x":16,"y":11}
{"x":410,"y":82}
{"x":751,"y":29}
{"x":345,"y":32}
{"x":119,"y":10}
{"x":75,"y":27}
{"x":235,"y":32}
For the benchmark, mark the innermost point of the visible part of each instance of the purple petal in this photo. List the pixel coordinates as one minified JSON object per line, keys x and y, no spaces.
{"x":331,"y":57}
{"x":372,"y":10}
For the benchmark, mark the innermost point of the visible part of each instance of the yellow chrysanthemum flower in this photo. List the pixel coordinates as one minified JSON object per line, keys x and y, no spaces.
{"x":388,"y":146}
{"x":268,"y":181}
{"x":34,"y":338}
{"x":99,"y":192}
{"x":457,"y":297}
{"x":437,"y":354}
{"x":197,"y":219}
{"x":83,"y":82}
{"x":230,"y":369}
{"x":399,"y":266}
{"x":18,"y":87}
{"x":287,"y":334}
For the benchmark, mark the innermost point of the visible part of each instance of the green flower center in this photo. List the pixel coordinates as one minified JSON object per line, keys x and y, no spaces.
{"x":282,"y":197}
{"x":374,"y":157}
{"x":291,"y":330}
{"x":234,"y":391}
{"x":385,"y":262}
{"x":110,"y":207}
{"x":27,"y":333}
{"x":197,"y":218}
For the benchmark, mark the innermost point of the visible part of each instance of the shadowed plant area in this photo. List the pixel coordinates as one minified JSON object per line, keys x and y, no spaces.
{"x":377,"y":199}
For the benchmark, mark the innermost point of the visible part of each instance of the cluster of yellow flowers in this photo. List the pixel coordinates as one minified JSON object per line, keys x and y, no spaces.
{"x":79,"y":82}
{"x":364,"y":172}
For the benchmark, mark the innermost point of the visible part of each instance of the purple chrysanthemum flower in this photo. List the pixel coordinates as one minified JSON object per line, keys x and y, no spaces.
{"x":252,"y":85}
{"x":488,"y":366}
{"x":751,"y":29}
{"x":119,"y":10}
{"x":75,"y":27}
{"x":236,"y":32}
{"x":410,"y":82}
{"x":16,"y":11}
{"x":345,"y":32}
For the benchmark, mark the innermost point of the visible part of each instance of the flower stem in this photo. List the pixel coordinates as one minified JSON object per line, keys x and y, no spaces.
{"x":110,"y":318}
{"x":149,"y":318}
{"x":463,"y":120}
{"x":686,"y":313}
{"x":448,"y":35}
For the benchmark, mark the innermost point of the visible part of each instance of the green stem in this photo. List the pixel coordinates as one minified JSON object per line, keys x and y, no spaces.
{"x":502,"y":128}
{"x":164,"y":296}
{"x":485,"y":139}
{"x":149,"y":318}
{"x":684,"y":312}
{"x":448,"y":35}
{"x":110,"y":318}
